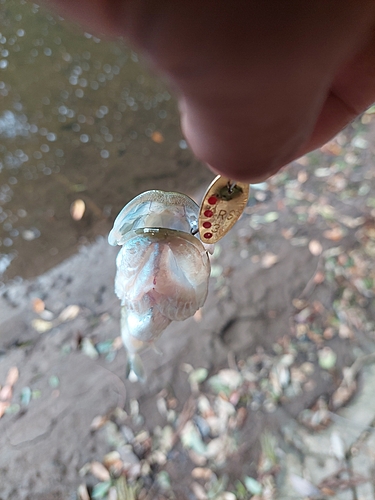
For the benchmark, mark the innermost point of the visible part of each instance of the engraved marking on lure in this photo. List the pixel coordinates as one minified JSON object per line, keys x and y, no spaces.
{"x":221,"y":207}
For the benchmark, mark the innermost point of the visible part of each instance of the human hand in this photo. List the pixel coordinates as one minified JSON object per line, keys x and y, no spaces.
{"x":259,"y":83}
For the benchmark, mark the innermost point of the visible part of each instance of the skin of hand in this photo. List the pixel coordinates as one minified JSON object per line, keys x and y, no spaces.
{"x":259,"y":83}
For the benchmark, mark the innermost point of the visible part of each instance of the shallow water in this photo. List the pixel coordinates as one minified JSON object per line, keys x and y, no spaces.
{"x":80,"y":119}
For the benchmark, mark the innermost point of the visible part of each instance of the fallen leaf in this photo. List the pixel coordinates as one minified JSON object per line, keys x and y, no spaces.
{"x":352,"y":222}
{"x":3,"y":407}
{"x":302,"y":176}
{"x":12,"y":376}
{"x":328,"y":333}
{"x":104,"y":347}
{"x":26,"y":395}
{"x":226,"y":495}
{"x":299,"y":242}
{"x":345,"y":332}
{"x":99,"y":471}
{"x":319,"y":277}
{"x":304,"y":161}
{"x":190,"y":438}
{"x":38,"y":305}
{"x":6,"y":393}
{"x":337,"y":445}
{"x":41,"y":326}
{"x":360,"y":142}
{"x":230,"y":378}
{"x":299,"y":304}
{"x":196,"y":458}
{"x":270,"y":217}
{"x":342,"y":394}
{"x":198,"y":376}
{"x":111,"y":459}
{"x":329,"y":492}
{"x":327,"y":358}
{"x":88,"y":348}
{"x":315,"y":247}
{"x":201,"y":473}
{"x":331,"y":148}
{"x":322,"y":172}
{"x":334,"y":234}
{"x":13,"y":409}
{"x":112,"y":494}
{"x":46,"y":315}
{"x":303,"y":487}
{"x":199,"y":491}
{"x":326,"y":211}
{"x":54,"y":381}
{"x":288,"y":233}
{"x":77,"y":209}
{"x":98,"y":422}
{"x":69,"y":313}
{"x":157,"y":137}
{"x":216,"y":271}
{"x":161,"y":405}
{"x":163,"y":480}
{"x":36,"y":394}
{"x":100,"y":490}
{"x":252,"y":485}
{"x":82,"y":492}
{"x":268,"y":260}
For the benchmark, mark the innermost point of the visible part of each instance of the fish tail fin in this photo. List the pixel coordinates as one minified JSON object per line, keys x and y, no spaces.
{"x":135,"y":365}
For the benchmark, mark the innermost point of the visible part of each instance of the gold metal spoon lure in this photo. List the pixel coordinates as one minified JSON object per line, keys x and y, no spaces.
{"x":221,"y":207}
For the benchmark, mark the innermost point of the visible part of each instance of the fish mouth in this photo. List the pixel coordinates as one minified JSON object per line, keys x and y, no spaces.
{"x":181,"y":209}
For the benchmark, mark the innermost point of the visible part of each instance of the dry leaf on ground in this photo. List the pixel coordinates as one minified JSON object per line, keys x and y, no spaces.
{"x":38,"y":305}
{"x":268,"y":260}
{"x":82,"y":492}
{"x":201,"y":473}
{"x":335,"y":234}
{"x":69,"y":313}
{"x":157,"y":137}
{"x":303,"y":486}
{"x":98,"y":422}
{"x":6,"y":393}
{"x":3,"y":406}
{"x":315,"y":247}
{"x":12,"y":376}
{"x":77,"y":209}
{"x":99,"y":471}
{"x":41,"y":326}
{"x":342,"y":394}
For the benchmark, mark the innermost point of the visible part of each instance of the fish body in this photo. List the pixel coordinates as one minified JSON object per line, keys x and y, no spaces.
{"x":162,"y":269}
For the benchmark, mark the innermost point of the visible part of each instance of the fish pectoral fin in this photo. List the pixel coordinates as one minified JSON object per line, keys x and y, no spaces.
{"x":135,"y":365}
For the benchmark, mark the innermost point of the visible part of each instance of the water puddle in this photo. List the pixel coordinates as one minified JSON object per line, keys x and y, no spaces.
{"x":82,"y":123}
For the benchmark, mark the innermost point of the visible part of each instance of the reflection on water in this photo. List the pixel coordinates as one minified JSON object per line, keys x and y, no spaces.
{"x":79,"y":119}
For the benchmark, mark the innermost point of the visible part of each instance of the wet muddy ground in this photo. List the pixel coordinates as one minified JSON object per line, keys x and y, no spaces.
{"x":246,"y":399}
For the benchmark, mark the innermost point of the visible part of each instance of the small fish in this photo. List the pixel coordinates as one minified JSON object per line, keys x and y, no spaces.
{"x":162,"y":269}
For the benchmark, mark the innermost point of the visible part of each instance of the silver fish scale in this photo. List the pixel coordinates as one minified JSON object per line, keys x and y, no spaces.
{"x":162,"y":269}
